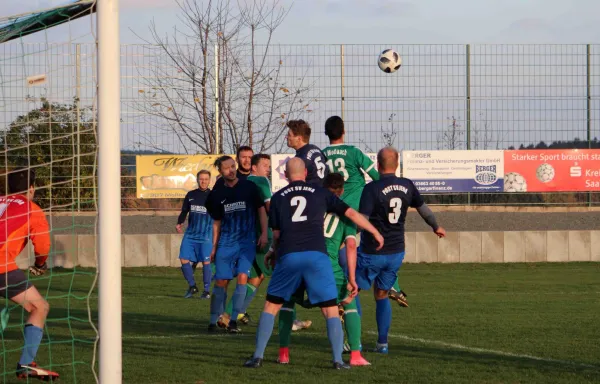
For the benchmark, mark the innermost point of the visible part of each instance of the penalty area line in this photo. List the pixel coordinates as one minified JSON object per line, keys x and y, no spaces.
{"x":488,"y":351}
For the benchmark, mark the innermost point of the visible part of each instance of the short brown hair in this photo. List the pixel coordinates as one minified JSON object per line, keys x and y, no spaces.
{"x":300,"y":128}
{"x":334,"y":181}
{"x":203,"y":172}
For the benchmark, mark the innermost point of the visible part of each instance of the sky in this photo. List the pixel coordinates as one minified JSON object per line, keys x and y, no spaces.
{"x":390,"y":21}
{"x":527,"y":94}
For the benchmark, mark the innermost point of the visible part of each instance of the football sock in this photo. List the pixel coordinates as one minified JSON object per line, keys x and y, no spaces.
{"x":336,"y":338}
{"x":263,"y":334}
{"x":33,"y":337}
{"x":206,"y":277}
{"x":250,"y":292}
{"x":396,"y":286}
{"x":229,"y":307}
{"x":238,"y":300}
{"x":188,"y":273}
{"x":358,"y":306}
{"x":217,"y":302}
{"x":286,"y":322}
{"x":383,"y":315}
{"x":352,"y":324}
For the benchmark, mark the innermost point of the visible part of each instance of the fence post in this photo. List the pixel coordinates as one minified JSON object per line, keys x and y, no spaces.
{"x":468,"y":94}
{"x":78,"y":97}
{"x":342,"y":79}
{"x":217,"y":117}
{"x":589,"y":104}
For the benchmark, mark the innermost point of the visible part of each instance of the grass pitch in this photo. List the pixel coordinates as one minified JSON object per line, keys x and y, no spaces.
{"x":467,"y":323}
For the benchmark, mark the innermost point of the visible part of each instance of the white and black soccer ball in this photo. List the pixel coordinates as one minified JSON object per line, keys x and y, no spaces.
{"x":389,"y":61}
{"x":514,"y":182}
{"x":545,"y":173}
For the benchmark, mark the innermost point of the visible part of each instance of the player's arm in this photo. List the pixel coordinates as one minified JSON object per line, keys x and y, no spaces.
{"x":185,"y":209}
{"x":334,"y":204}
{"x":259,"y":201}
{"x":367,"y":165}
{"x":215,"y":210}
{"x":274,"y":224}
{"x":39,"y":234}
{"x":425,"y":212}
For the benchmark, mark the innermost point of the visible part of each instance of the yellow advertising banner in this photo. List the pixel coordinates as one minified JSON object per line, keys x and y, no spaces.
{"x":171,"y":176}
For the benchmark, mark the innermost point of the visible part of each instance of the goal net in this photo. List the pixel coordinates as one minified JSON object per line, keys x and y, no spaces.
{"x":48,"y":121}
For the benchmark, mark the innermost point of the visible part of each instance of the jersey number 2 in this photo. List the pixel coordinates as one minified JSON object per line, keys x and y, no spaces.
{"x":300,"y":202}
{"x":396,"y":206}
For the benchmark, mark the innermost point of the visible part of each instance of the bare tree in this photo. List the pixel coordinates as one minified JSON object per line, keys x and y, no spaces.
{"x":451,"y":137}
{"x":388,"y":135}
{"x":255,"y":99}
{"x":484,"y":137}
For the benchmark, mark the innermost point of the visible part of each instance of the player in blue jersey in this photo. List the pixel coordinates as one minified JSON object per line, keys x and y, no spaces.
{"x":235,"y":206}
{"x":298,"y":138}
{"x":243,"y":158}
{"x":296,"y":217}
{"x":385,"y":202}
{"x":196,"y":245}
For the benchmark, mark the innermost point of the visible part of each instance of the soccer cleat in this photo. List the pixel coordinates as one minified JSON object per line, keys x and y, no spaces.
{"x":254,"y":362}
{"x":31,"y":370}
{"x":356,"y":359}
{"x":346,"y":347}
{"x":223,"y":321}
{"x":191,"y":292}
{"x":244,"y":318}
{"x":399,"y":297}
{"x":340,"y":365}
{"x":284,"y":355}
{"x":212,"y":328}
{"x":381,"y":348}
{"x":233,"y":328}
{"x":205,"y":295}
{"x":299,"y":324}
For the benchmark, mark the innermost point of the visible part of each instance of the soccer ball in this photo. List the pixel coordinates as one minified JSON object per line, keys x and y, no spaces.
{"x":389,"y":61}
{"x":545,"y":173}
{"x":514,"y":182}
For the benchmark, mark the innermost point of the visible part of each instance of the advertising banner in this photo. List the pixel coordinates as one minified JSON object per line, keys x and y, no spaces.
{"x":455,"y":171}
{"x":278,"y":179}
{"x":171,"y":176}
{"x":552,"y":170}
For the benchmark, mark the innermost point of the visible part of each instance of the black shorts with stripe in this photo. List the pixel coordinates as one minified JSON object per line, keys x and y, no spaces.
{"x":12,"y":283}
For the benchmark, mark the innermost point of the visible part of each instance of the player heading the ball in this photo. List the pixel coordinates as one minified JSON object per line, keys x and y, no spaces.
{"x":296,"y":217}
{"x":385,"y":202}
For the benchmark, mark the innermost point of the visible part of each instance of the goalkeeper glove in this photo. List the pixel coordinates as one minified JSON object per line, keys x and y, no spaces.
{"x":38,"y":270}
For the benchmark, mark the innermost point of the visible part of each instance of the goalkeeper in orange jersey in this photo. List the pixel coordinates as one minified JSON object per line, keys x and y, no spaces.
{"x":21,"y":220}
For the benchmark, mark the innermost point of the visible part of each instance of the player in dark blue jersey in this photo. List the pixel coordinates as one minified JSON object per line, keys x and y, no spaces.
{"x":298,"y":137}
{"x":197,"y":240}
{"x":235,"y":206}
{"x":243,"y":158}
{"x":296,"y":217}
{"x":385,"y":202}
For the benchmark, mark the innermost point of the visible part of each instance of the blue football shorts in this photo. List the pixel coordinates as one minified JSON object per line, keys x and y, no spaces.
{"x":380,"y":271}
{"x":195,"y":251}
{"x":312,"y":269}
{"x":233,"y":259}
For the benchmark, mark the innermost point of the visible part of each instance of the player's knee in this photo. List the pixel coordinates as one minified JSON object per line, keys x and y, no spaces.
{"x":41,"y":308}
{"x":380,"y":294}
{"x":184,"y":261}
{"x":221,"y":283}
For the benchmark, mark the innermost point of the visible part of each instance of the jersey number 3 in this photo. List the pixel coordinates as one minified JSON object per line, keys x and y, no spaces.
{"x":300,"y":202}
{"x":396,"y":206}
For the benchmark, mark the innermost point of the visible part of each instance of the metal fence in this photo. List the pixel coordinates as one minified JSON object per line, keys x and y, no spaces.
{"x":443,"y":97}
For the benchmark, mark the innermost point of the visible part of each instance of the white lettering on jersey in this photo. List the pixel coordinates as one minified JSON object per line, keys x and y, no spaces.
{"x":394,"y":187}
{"x":198,"y":208}
{"x":233,"y":207}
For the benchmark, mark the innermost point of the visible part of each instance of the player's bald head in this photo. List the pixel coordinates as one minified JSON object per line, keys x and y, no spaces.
{"x":295,"y":169}
{"x":387,"y":160}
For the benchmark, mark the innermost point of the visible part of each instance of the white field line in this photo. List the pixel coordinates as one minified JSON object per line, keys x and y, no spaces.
{"x":487,"y":351}
{"x":395,"y":336}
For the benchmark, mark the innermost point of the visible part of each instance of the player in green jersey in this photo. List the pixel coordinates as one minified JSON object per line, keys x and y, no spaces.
{"x":351,"y":162}
{"x":260,"y":169}
{"x":337,"y":231}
